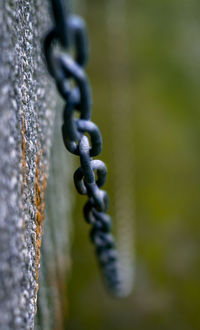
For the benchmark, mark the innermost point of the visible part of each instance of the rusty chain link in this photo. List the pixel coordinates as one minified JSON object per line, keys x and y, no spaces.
{"x":72,"y":83}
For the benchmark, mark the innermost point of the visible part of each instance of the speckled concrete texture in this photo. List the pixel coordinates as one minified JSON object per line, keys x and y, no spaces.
{"x":26,"y":117}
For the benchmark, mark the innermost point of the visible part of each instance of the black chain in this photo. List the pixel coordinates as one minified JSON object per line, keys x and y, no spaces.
{"x":68,"y":71}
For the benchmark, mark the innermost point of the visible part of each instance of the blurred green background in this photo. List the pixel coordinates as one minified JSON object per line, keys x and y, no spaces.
{"x":145,"y":74}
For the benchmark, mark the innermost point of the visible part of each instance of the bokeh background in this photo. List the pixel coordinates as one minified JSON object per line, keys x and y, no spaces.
{"x":145,"y":74}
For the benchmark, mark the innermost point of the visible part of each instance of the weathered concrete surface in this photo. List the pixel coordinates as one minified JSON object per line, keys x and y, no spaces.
{"x":27,"y":107}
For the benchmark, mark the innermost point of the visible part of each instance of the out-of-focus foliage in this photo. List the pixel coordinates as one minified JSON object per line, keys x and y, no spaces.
{"x":163,"y":65}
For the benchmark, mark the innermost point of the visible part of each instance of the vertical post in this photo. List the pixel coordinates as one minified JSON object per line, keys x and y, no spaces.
{"x":28,"y":104}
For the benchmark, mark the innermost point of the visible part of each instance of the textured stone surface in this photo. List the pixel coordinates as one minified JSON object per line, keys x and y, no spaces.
{"x":27,"y":104}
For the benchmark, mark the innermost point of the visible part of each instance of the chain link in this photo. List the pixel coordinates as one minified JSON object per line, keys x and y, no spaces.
{"x":72,"y":83}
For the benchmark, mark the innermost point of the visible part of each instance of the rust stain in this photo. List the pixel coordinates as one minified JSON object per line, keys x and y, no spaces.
{"x":60,"y":313}
{"x":40,"y":189}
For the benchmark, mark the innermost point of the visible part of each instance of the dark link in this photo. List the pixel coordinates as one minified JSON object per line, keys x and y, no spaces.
{"x":101,"y":239}
{"x":86,"y":126}
{"x":60,"y":13}
{"x":107,"y":256}
{"x":80,"y":39}
{"x":48,"y":41}
{"x":113,"y":278}
{"x":66,"y":68}
{"x":87,"y":164}
{"x":100,"y":167}
{"x":78,"y":181}
{"x":52,"y":64}
{"x":112,"y":274}
{"x":84,"y":178}
{"x":100,"y":197}
{"x":82,"y":126}
{"x":100,"y":220}
{"x":62,"y":67}
{"x":70,"y":132}
{"x":86,"y":170}
{"x":103,"y":221}
{"x":72,"y":35}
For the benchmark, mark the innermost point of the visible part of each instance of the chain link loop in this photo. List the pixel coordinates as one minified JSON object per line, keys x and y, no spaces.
{"x":72,"y":83}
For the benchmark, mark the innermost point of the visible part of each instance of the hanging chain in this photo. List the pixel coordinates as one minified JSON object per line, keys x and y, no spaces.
{"x":72,"y":83}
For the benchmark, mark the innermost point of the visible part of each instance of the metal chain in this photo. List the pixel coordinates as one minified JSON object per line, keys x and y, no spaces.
{"x":72,"y":83}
